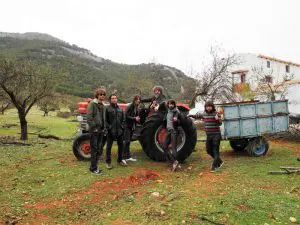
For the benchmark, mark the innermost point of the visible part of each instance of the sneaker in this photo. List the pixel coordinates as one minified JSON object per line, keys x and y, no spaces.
{"x":123,"y":163}
{"x":131,"y":159}
{"x":218,"y":167}
{"x":221,"y":164}
{"x":97,"y":172}
{"x":174,"y":165}
{"x":213,"y":167}
{"x":109,"y":166}
{"x":213,"y":170}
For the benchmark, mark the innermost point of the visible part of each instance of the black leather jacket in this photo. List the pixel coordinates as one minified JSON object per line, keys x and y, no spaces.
{"x":114,"y":120}
{"x":130,"y":114}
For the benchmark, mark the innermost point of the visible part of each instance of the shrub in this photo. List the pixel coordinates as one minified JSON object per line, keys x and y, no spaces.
{"x":63,"y":114}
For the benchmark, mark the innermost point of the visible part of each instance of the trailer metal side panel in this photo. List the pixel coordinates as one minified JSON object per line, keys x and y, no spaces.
{"x":281,"y":123}
{"x":232,"y":128}
{"x":248,"y":127}
{"x":280,"y":107}
{"x":231,"y":112}
{"x":264,"y":109}
{"x":255,"y":119}
{"x":264,"y":125}
{"x":248,"y":110}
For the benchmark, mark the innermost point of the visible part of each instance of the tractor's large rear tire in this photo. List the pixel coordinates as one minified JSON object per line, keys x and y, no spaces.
{"x":81,"y":147}
{"x":154,"y":132}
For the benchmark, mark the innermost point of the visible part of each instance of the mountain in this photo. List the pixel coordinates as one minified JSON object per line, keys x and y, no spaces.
{"x":88,"y":71}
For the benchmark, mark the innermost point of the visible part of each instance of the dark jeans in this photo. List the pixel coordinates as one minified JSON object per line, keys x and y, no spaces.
{"x":110,"y":140}
{"x":171,"y":138}
{"x":212,"y":148}
{"x":127,"y":138}
{"x":95,"y":143}
{"x":103,"y":142}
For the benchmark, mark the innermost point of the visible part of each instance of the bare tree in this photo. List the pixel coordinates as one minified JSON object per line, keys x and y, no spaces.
{"x":215,"y":81}
{"x":188,"y":91}
{"x":24,"y":83}
{"x":269,"y":84}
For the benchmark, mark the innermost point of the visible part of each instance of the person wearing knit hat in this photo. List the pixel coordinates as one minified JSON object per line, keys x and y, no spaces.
{"x":212,"y":122}
{"x":157,"y":99}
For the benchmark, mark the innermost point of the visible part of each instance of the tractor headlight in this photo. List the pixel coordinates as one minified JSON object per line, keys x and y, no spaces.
{"x":79,"y":118}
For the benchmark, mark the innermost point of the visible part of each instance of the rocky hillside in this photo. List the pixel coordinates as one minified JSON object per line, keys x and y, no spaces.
{"x":87,"y":71}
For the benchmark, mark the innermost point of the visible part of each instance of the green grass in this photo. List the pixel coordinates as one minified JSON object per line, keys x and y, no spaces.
{"x":44,"y":183}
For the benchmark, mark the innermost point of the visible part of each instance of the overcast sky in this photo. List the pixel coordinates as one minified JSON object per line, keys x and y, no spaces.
{"x":176,"y":33}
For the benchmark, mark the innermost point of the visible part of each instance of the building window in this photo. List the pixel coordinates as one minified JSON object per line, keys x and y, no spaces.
{"x":269,"y":79}
{"x":243,"y":78}
{"x":287,"y":68}
{"x":268,"y":64}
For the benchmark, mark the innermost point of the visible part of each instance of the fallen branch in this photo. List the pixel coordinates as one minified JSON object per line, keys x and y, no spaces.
{"x":286,"y":170}
{"x":9,"y":125}
{"x":50,"y":136}
{"x":203,"y":217}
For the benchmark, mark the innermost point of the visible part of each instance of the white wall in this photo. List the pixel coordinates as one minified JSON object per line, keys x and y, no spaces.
{"x":293,"y":95}
{"x":247,"y":61}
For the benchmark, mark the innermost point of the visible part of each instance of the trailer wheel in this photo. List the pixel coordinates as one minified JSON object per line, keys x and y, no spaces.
{"x":258,"y":147}
{"x":239,"y":144}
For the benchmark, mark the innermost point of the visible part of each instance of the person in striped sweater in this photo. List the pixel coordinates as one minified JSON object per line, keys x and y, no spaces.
{"x":212,"y":122}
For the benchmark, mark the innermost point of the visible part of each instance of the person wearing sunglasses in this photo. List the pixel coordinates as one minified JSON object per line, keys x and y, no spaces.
{"x":96,"y":122}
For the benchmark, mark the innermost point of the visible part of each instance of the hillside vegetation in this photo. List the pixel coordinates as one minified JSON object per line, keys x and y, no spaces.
{"x":88,"y":71}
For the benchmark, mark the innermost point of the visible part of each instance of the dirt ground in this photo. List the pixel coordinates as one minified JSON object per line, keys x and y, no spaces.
{"x":113,"y":189}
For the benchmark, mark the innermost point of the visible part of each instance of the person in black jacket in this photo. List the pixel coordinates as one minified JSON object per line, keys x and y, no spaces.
{"x":131,"y":119}
{"x":172,"y":118}
{"x":96,"y":122}
{"x":114,"y":123}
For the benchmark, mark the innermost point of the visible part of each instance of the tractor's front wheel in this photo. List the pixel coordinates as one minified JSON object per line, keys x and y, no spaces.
{"x":81,"y":147}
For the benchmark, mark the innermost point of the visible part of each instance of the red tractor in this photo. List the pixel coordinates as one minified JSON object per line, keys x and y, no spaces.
{"x":151,"y":133}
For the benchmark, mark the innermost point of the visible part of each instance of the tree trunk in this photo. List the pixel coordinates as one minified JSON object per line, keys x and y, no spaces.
{"x":273,"y":98}
{"x":23,"y":123}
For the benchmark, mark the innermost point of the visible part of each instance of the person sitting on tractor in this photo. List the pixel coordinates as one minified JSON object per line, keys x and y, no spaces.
{"x":157,"y":100}
{"x":172,"y":125}
{"x":131,"y":119}
{"x":212,"y":122}
{"x":114,"y":123}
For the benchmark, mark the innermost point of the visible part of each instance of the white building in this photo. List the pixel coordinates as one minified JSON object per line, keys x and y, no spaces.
{"x":275,"y":69}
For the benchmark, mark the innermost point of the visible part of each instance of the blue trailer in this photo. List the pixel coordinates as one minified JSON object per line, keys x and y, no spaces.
{"x":246,"y":123}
